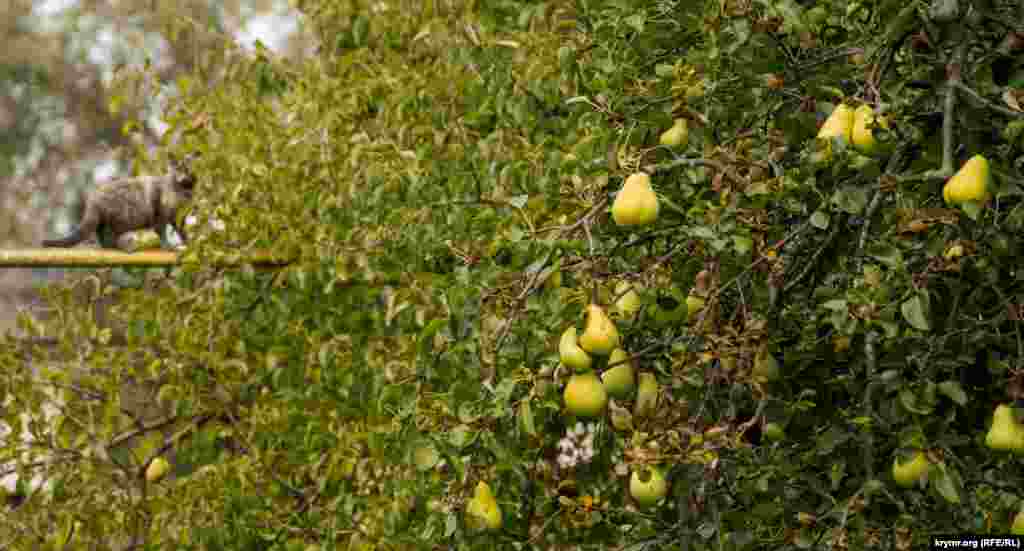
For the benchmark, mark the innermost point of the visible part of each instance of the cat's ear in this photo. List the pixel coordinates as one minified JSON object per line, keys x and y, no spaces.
{"x":181,"y":169}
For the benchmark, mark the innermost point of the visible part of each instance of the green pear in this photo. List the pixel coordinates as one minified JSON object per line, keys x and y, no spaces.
{"x":585,"y":395}
{"x":1005,"y":433}
{"x":677,"y":136}
{"x":906,"y":473}
{"x":628,"y":303}
{"x":773,"y":432}
{"x":157,"y":469}
{"x":483,"y":511}
{"x":646,"y":395}
{"x":647,"y":486}
{"x":600,"y":335}
{"x":636,"y":203}
{"x":619,"y":380}
{"x":971,"y":183}
{"x":861,"y":134}
{"x":694,"y":304}
{"x":669,"y":308}
{"x":570,"y":353}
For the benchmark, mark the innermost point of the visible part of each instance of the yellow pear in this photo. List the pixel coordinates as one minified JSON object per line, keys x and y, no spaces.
{"x":619,"y":380}
{"x":839,"y":123}
{"x":694,"y":304}
{"x":483,"y":511}
{"x":570,"y":353}
{"x":907,"y":473}
{"x":628,"y":303}
{"x":970,"y":183}
{"x":646,"y":395}
{"x":636,"y":203}
{"x":585,"y":395}
{"x":862,"y":137}
{"x":1005,"y":433}
{"x":677,"y":136}
{"x":600,"y":335}
{"x":647,"y":486}
{"x":157,"y":469}
{"x":1018,"y":524}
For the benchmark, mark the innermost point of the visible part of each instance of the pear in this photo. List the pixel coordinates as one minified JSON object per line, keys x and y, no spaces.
{"x":839,"y":123}
{"x":907,"y":473}
{"x":585,"y":396}
{"x":670,"y":308}
{"x":629,"y":302}
{"x":646,"y":395}
{"x":636,"y":204}
{"x":970,"y":183}
{"x":157,"y":469}
{"x":619,"y":380}
{"x":570,"y":353}
{"x":773,"y":432}
{"x":600,"y":335}
{"x":694,"y":304}
{"x":677,"y":136}
{"x":862,"y":137}
{"x":647,"y":486}
{"x":1017,"y":529}
{"x":1005,"y":433}
{"x":483,"y":511}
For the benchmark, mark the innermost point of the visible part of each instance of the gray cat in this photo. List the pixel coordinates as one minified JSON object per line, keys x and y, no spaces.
{"x":117,"y":207}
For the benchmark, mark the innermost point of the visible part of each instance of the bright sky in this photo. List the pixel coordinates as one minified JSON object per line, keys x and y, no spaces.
{"x":271,"y":29}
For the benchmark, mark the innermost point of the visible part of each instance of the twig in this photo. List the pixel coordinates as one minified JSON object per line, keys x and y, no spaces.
{"x":959,"y":85}
{"x":813,"y":260}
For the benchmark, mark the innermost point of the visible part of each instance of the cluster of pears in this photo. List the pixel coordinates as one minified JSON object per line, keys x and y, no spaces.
{"x":970,"y":183}
{"x":854,"y":126}
{"x":483,"y":511}
{"x":585,"y":394}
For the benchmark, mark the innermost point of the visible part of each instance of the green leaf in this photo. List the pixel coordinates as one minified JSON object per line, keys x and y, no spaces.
{"x":888,"y":255}
{"x":953,"y":391}
{"x":946,"y":482}
{"x":915,"y":310}
{"x":742,"y":244}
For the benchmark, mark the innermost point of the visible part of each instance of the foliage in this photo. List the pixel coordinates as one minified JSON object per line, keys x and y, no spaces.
{"x":436,"y":162}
